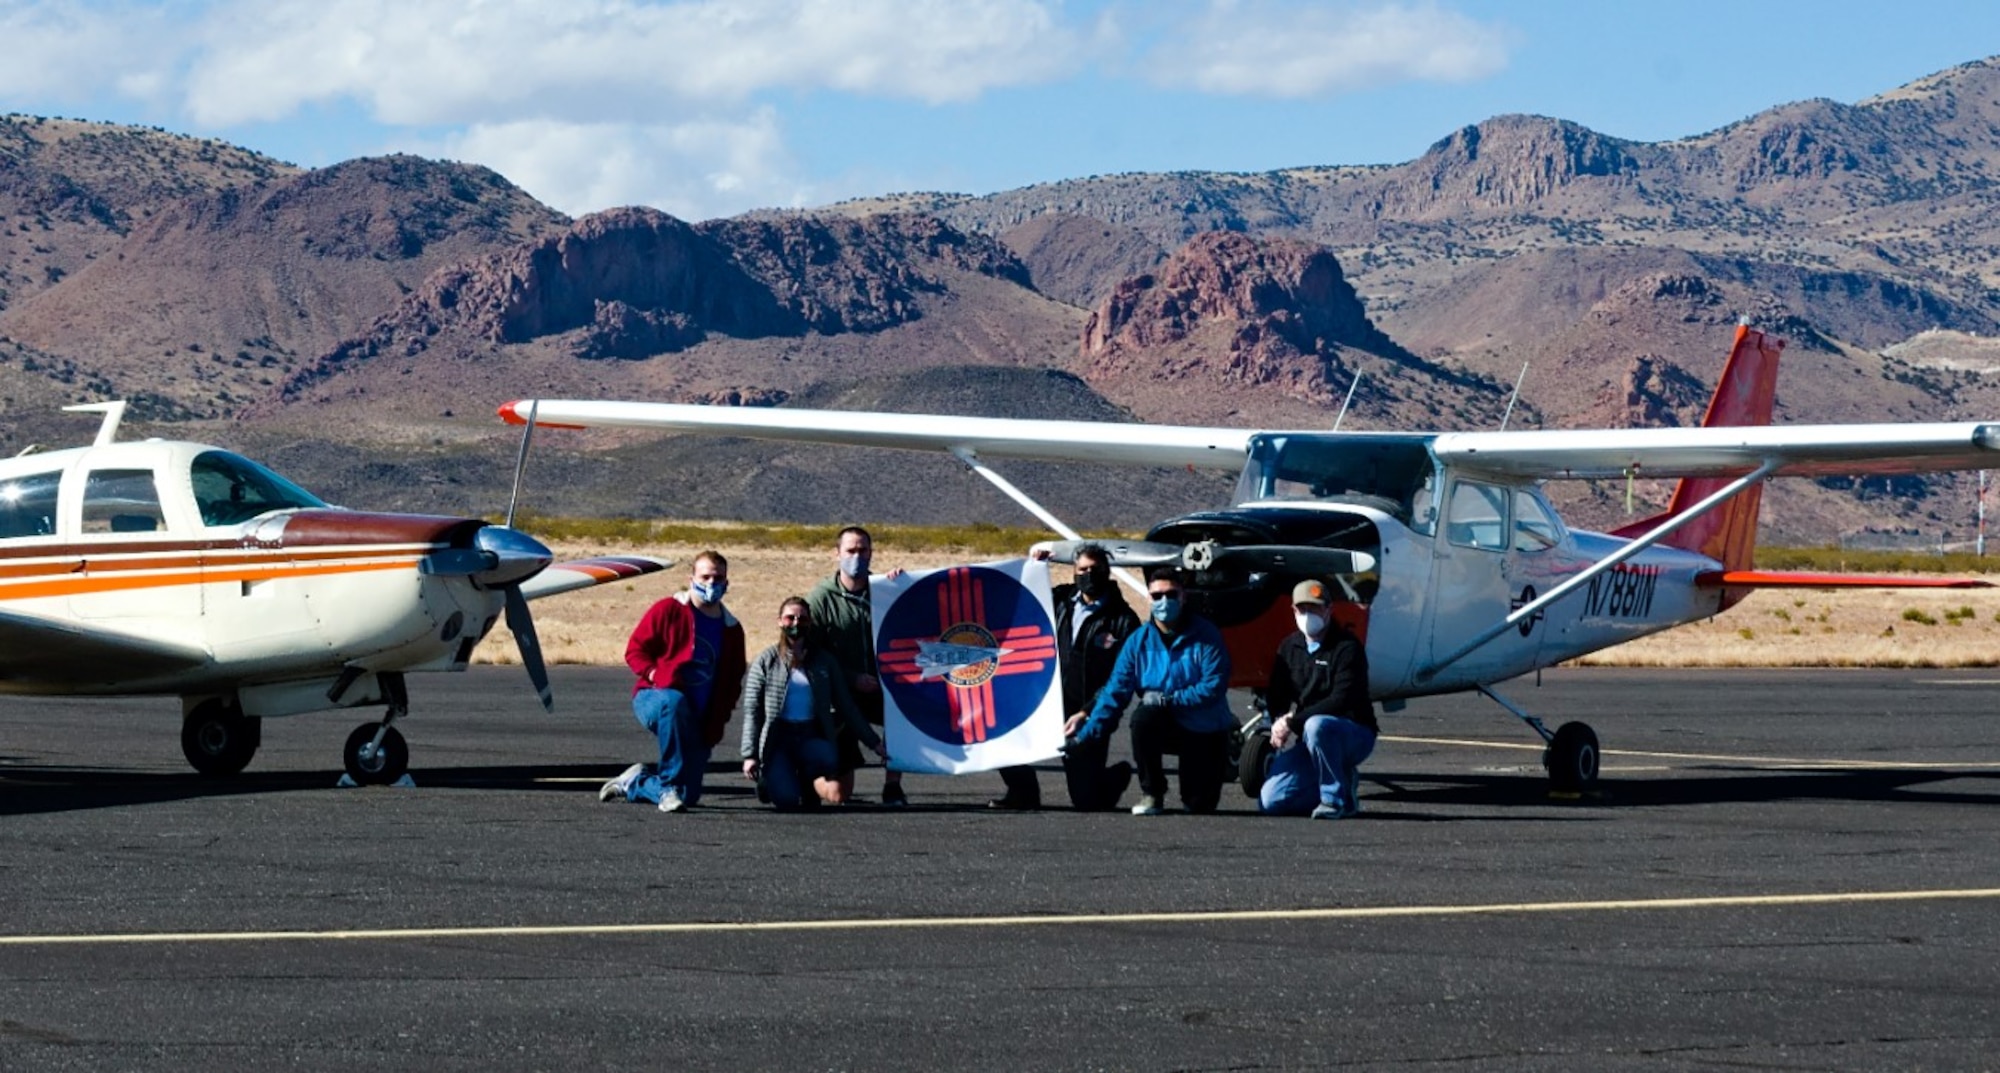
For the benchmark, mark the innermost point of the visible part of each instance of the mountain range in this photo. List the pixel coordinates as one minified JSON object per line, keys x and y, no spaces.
{"x":355,"y":325}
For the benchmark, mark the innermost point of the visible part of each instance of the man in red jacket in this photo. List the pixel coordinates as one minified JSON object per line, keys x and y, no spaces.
{"x":688,"y":653}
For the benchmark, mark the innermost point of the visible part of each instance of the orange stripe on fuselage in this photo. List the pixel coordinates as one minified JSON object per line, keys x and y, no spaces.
{"x":128,"y":577}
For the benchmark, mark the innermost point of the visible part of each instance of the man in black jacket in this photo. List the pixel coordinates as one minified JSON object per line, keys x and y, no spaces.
{"x":1092,"y":622}
{"x":1323,"y":725}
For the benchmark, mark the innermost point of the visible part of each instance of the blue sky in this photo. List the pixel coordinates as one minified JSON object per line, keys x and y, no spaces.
{"x":712,"y":107}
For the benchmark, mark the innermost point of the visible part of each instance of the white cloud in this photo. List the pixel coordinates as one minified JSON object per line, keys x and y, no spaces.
{"x":71,"y":52}
{"x":697,"y":169}
{"x":1273,"y":49}
{"x":446,"y":63}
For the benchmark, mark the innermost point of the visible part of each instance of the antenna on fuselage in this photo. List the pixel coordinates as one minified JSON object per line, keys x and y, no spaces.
{"x":1515,"y":397}
{"x":113,"y":412}
{"x":1345,"y":403}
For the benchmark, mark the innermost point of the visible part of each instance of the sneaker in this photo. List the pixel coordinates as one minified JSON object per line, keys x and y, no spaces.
{"x":1014,"y":804}
{"x":893,"y":795}
{"x":1329,"y":812}
{"x":620,"y":787}
{"x":670,"y":801}
{"x":1147,"y":806}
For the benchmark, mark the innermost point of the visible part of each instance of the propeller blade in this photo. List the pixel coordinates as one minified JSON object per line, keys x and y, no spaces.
{"x":1123,"y":552}
{"x":522,"y":623}
{"x":1279,"y":558}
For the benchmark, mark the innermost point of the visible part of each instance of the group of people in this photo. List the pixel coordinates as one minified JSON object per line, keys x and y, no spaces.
{"x":811,"y":701}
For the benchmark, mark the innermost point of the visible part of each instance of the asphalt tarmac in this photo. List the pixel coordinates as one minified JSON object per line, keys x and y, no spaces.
{"x":1785,"y":870}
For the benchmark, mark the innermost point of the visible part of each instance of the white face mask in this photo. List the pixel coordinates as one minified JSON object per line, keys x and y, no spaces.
{"x":1311,"y":623}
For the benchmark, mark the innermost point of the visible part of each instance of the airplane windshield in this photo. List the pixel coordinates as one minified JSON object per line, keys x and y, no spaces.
{"x":1393,"y":474}
{"x":229,"y":489}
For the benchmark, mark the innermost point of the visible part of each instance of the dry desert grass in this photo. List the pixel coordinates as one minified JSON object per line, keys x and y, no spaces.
{"x":1774,"y":628}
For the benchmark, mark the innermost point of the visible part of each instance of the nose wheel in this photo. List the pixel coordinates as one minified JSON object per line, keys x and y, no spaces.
{"x":375,"y":754}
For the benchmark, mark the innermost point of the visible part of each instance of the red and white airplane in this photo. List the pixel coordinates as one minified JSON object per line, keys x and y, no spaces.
{"x":1457,"y":571}
{"x":170,"y":568}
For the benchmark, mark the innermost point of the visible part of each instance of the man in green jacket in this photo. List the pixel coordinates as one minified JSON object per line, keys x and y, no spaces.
{"x":844,"y":621}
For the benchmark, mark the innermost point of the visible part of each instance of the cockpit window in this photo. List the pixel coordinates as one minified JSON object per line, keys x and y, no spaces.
{"x":1392,"y":475}
{"x":229,"y":489}
{"x":121,"y":501}
{"x":1534,"y":527}
{"x":1477,"y":516}
{"x":28,"y":505}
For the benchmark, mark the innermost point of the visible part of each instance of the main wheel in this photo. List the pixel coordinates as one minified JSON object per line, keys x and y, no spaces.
{"x":1572,"y":758}
{"x":1252,"y":762}
{"x":219,"y":741}
{"x":385,"y":765}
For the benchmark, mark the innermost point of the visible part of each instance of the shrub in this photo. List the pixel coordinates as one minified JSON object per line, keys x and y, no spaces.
{"x":1917,"y":614}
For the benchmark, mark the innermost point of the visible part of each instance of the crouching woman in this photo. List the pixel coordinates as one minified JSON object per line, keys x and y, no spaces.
{"x":792,"y":696}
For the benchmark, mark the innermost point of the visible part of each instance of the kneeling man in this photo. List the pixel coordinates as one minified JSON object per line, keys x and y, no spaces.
{"x":1323,"y":726}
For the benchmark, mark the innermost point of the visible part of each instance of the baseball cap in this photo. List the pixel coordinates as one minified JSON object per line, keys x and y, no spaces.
{"x":1309,"y":592}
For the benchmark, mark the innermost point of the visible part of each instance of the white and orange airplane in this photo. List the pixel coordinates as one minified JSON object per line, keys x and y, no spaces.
{"x":1457,"y":571}
{"x":162,"y":567}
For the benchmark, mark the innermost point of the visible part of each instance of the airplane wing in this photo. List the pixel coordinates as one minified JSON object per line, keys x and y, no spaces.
{"x":34,"y":649}
{"x":583,"y":573}
{"x":1800,"y":450}
{"x":988,"y":437}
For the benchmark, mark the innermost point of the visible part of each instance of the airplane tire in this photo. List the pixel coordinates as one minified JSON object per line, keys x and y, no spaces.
{"x":1252,"y":762}
{"x":388,"y":764}
{"x":1571,"y":758}
{"x":219,"y":742}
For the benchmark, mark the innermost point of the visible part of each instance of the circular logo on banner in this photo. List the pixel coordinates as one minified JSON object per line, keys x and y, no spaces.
{"x":967,"y":654}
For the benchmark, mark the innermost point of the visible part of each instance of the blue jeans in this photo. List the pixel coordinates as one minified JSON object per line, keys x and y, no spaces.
{"x":1322,"y":769}
{"x":792,"y":759}
{"x":683,"y":746}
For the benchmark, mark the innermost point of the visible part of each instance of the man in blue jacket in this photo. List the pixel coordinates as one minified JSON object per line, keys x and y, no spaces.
{"x":1178,"y":669}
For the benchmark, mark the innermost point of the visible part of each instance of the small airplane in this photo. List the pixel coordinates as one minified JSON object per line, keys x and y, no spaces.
{"x":1456,"y":571}
{"x":173,"y":568}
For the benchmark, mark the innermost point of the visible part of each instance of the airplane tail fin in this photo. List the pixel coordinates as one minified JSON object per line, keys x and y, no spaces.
{"x":1743,"y":396}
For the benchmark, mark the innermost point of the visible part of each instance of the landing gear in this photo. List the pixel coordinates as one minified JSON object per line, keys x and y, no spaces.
{"x":218,"y":740}
{"x":1255,"y":758}
{"x":373,"y":762}
{"x":375,"y":754}
{"x":1571,"y":756}
{"x":1571,"y":759}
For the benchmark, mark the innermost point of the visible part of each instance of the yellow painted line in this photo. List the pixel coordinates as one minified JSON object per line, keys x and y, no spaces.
{"x":1228,"y":916}
{"x":1766,"y":761}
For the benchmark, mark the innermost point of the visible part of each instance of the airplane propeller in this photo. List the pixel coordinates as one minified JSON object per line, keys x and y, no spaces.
{"x":501,"y":558}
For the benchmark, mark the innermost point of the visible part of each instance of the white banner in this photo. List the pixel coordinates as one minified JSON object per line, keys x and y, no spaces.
{"x":967,"y":658}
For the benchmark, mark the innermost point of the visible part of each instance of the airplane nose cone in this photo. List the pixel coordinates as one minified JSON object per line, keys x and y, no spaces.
{"x":515,"y":556}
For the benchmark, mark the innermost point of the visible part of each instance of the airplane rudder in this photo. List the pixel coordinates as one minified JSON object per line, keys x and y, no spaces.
{"x":1746,"y":392}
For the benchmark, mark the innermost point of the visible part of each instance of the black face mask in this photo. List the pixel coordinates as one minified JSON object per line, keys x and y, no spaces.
{"x":1091,"y":582}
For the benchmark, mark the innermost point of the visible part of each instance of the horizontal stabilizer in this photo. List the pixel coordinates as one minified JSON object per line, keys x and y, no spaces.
{"x":1781,"y":579}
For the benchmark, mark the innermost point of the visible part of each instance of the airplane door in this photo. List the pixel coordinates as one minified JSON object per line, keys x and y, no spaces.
{"x":134,"y":566}
{"x":1471,"y":586}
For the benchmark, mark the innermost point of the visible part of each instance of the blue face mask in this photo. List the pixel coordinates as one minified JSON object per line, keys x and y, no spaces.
{"x":1166,"y":609}
{"x":854,"y":566}
{"x":709,"y":592}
